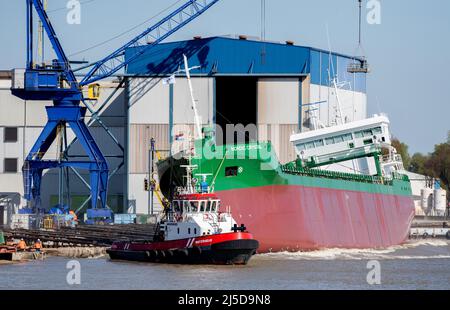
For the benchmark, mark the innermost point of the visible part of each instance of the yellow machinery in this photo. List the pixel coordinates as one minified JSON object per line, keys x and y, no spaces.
{"x":93,"y":91}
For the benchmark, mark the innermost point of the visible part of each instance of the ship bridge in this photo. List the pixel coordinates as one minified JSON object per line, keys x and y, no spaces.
{"x":341,"y":143}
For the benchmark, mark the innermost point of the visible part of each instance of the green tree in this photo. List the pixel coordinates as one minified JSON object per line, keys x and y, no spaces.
{"x":435,"y":164}
{"x":402,"y":149}
{"x":418,"y":164}
{"x":439,"y":163}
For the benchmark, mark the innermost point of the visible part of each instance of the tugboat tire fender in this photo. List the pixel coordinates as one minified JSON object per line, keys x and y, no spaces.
{"x":183,"y":252}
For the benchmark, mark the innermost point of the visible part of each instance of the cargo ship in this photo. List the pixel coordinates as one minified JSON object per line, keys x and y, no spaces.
{"x":306,"y":204}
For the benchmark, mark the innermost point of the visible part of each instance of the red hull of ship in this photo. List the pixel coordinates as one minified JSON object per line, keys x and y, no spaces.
{"x":295,"y":218}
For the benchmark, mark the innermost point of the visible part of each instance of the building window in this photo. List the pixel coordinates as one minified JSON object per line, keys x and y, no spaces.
{"x":10,"y":165}
{"x":10,"y":135}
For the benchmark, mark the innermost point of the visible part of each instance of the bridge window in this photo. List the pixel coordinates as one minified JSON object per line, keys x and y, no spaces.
{"x":378,"y":131}
{"x":347,"y":137}
{"x":309,"y":145}
{"x":339,"y":139}
{"x":208,"y":206}
{"x":319,"y":143}
{"x":367,"y":133}
{"x":364,"y":133}
{"x":202,"y":206}
{"x":329,"y":141}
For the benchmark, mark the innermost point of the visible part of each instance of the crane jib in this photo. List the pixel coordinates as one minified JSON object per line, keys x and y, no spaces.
{"x":148,"y":39}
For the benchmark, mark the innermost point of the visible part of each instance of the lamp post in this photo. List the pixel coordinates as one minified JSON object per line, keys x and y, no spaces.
{"x":151,"y":171}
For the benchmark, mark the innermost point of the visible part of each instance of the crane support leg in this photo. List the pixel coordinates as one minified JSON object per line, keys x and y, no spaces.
{"x":72,"y":116}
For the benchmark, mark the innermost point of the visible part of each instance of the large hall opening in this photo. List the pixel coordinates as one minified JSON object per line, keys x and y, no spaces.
{"x":236,"y":109}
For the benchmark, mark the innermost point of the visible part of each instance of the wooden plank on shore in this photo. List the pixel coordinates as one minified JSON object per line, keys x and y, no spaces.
{"x":86,"y":235}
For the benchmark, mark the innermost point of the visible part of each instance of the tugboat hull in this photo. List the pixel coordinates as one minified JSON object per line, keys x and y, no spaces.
{"x":210,"y":250}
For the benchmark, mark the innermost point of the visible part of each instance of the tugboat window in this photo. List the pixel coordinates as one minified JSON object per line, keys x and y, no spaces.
{"x":194,"y":206}
{"x":231,"y":171}
{"x":208,"y":207}
{"x":176,"y":206}
{"x":202,"y":206}
{"x":217,"y":206}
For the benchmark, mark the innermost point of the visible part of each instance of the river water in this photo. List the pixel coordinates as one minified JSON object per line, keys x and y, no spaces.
{"x":416,"y":265}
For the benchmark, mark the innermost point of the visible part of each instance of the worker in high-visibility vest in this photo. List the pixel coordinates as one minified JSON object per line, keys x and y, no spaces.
{"x":75,"y":217}
{"x":38,"y":246}
{"x":21,"y":246}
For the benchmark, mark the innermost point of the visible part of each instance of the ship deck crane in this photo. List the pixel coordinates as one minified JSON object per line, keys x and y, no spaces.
{"x":57,"y":82}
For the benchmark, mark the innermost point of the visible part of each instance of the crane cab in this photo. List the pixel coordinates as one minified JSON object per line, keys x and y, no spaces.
{"x":47,"y":82}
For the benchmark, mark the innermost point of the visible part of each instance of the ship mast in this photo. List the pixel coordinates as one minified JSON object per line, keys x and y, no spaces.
{"x":194,"y":102}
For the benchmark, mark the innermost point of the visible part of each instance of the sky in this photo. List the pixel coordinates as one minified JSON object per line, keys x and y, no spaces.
{"x":407,"y":51}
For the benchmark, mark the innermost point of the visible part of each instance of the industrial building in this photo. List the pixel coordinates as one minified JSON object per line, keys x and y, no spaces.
{"x":279,"y":87}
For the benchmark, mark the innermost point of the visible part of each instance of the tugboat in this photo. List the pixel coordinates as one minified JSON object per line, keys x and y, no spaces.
{"x":192,"y":231}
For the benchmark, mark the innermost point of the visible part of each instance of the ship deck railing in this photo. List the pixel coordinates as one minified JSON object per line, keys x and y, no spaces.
{"x":290,"y":169}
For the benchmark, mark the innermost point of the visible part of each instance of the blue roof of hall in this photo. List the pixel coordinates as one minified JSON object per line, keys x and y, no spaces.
{"x":226,"y":56}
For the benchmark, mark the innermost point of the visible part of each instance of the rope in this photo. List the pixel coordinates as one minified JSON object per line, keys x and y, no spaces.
{"x":263,"y":31}
{"x":65,"y":8}
{"x":123,"y":33}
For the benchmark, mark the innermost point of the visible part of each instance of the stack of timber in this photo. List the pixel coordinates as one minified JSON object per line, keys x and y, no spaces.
{"x":100,"y":236}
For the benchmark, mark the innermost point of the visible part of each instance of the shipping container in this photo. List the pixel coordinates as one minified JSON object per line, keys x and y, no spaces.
{"x":124,"y":219}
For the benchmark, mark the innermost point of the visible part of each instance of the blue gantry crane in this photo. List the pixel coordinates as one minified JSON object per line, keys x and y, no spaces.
{"x":57,"y":82}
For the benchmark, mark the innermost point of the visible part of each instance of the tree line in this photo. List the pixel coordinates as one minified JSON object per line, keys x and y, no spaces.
{"x":435,"y":164}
